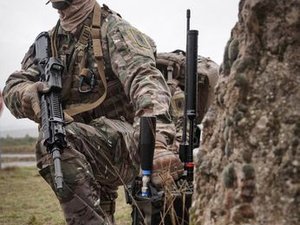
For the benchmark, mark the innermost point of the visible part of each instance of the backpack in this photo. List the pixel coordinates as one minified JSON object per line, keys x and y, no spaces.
{"x":172,"y":66}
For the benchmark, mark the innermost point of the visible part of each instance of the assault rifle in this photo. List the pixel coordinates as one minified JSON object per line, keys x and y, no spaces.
{"x":149,"y":206}
{"x":51,"y":70}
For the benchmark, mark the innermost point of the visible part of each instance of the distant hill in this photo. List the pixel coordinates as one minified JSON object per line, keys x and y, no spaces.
{"x":17,"y":133}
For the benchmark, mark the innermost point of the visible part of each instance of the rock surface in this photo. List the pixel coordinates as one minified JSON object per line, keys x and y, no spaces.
{"x":248,"y":166}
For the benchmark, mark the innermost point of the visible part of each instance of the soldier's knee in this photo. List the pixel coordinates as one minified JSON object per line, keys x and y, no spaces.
{"x":76,"y":175}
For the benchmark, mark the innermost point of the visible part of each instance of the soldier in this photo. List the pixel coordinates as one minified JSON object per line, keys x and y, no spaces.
{"x":109,"y":82}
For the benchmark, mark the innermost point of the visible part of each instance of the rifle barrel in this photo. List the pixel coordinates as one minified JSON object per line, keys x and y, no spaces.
{"x":192,"y":58}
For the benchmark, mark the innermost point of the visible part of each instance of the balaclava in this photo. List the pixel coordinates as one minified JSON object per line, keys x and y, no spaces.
{"x":73,"y":14}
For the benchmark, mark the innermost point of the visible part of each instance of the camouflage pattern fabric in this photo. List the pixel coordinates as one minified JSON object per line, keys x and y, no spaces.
{"x":102,"y":142}
{"x":100,"y":156}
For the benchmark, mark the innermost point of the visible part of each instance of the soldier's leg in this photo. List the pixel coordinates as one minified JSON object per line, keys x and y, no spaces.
{"x":80,"y":199}
{"x":97,"y":159}
{"x":120,"y":166}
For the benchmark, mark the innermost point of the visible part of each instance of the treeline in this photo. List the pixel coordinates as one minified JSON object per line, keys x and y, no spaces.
{"x":10,"y":141}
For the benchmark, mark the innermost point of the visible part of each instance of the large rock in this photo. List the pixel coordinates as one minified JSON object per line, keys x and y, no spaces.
{"x":248,"y":167}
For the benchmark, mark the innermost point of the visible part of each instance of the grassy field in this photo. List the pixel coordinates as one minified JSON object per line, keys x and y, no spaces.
{"x":27,"y":200}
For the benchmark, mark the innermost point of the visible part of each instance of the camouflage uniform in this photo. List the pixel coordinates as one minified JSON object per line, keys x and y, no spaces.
{"x":102,"y":150}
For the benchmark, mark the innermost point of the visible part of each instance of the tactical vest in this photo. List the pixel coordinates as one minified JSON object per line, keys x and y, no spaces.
{"x":91,"y":89}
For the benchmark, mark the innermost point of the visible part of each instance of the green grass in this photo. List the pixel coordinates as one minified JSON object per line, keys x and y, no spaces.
{"x":26,"y":199}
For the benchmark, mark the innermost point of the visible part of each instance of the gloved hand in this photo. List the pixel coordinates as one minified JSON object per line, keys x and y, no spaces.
{"x":30,"y":100}
{"x":167,"y":167}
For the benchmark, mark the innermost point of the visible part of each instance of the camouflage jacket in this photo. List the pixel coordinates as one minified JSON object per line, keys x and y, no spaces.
{"x":135,"y":86}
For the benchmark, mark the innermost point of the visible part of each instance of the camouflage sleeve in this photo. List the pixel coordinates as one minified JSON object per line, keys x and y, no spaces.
{"x":17,"y":82}
{"x":132,"y":59}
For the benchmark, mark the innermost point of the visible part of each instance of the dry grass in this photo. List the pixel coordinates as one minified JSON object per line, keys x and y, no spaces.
{"x":18,"y":145}
{"x":18,"y":149}
{"x":27,"y":200}
{"x":17,"y":159}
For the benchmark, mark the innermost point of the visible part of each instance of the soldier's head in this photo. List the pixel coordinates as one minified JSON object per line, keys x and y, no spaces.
{"x":72,"y":12}
{"x":60,"y":4}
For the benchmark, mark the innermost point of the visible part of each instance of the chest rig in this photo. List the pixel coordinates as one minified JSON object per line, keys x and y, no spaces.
{"x":86,"y":76}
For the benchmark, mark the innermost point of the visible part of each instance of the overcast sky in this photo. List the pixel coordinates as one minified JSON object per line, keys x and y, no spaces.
{"x":163,"y":20}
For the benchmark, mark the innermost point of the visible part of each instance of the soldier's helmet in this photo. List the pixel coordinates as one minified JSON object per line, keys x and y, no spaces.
{"x":60,"y":4}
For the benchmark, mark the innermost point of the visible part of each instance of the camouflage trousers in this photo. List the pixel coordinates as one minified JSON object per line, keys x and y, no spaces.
{"x":99,"y":157}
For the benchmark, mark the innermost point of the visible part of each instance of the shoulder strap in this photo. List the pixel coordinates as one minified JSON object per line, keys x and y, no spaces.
{"x":53,"y":36}
{"x":97,"y":48}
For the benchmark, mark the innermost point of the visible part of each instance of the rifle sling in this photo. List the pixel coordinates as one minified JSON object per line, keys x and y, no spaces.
{"x":95,"y":32}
